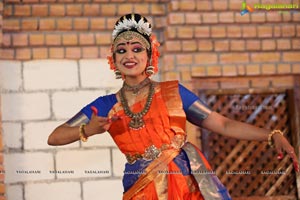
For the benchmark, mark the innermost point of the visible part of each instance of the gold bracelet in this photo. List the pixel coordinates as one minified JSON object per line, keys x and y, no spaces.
{"x":270,"y":140}
{"x":83,"y":137}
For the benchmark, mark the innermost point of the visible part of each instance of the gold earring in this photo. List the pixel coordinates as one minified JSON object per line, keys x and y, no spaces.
{"x":118,"y":74}
{"x":149,"y":70}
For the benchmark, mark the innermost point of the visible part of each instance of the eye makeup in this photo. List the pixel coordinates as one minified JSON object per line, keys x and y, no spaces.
{"x":135,"y":47}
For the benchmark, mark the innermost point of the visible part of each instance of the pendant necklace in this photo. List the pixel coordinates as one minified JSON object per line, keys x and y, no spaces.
{"x":137,"y":121}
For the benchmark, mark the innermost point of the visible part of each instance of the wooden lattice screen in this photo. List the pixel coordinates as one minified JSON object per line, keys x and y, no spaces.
{"x":228,"y":155}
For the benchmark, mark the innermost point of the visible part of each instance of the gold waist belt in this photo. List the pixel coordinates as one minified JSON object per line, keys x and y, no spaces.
{"x":151,"y":153}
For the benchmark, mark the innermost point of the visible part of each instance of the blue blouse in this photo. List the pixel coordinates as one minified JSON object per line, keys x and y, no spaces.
{"x":105,"y":103}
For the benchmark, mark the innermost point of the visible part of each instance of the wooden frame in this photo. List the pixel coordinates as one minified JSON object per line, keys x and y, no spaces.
{"x":293,"y":91}
{"x":295,"y":122}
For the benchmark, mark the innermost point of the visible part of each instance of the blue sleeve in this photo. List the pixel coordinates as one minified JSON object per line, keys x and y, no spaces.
{"x":187,"y":97}
{"x":103,"y":104}
{"x":196,"y":110}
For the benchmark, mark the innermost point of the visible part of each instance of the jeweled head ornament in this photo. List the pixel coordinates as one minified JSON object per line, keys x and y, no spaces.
{"x":135,"y":26}
{"x":133,"y":22}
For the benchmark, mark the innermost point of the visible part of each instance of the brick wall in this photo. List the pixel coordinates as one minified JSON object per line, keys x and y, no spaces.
{"x":53,"y":53}
{"x":209,"y":40}
{"x":212,"y":39}
{"x":1,"y":21}
{"x":48,"y":29}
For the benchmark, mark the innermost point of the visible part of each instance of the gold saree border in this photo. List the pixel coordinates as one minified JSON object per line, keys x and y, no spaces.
{"x":151,"y":172}
{"x":173,"y":102}
{"x":201,"y":171}
{"x":161,"y":185}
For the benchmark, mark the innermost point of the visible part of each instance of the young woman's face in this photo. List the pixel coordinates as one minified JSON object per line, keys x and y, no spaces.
{"x":130,"y":57}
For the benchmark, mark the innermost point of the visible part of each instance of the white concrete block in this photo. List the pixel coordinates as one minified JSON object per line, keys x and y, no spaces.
{"x":12,"y":135}
{"x":27,"y":106}
{"x":36,"y":134}
{"x":73,"y":145}
{"x":87,"y":163}
{"x":68,"y":146}
{"x":100,"y":140}
{"x":28,"y":167}
{"x":10,"y":75}
{"x":14,"y":192}
{"x":104,"y":189}
{"x":119,"y":161}
{"x":113,"y":90}
{"x":67,"y":104}
{"x":53,"y":191}
{"x":97,"y":74}
{"x":50,"y":74}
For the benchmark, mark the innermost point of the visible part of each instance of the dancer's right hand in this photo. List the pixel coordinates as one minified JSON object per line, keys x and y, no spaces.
{"x":97,"y":124}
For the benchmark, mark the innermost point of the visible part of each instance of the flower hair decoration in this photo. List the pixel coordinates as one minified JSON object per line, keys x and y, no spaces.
{"x":141,"y":26}
{"x":154,"y":52}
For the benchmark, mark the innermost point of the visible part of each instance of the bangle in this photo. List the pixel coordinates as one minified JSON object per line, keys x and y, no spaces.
{"x":270,"y":140}
{"x":83,"y":137}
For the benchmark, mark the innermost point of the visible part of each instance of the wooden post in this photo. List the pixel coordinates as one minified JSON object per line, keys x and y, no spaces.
{"x":294,"y":112}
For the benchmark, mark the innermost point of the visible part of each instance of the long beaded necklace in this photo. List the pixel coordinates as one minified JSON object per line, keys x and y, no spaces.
{"x":136,"y":89}
{"x":137,"y":121}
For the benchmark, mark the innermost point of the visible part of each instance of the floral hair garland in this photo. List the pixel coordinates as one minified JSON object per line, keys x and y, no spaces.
{"x":141,"y":26}
{"x":155,"y":53}
{"x":111,"y":60}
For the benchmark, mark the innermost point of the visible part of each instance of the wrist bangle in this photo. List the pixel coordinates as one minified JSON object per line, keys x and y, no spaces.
{"x":83,"y":137}
{"x":270,"y":139}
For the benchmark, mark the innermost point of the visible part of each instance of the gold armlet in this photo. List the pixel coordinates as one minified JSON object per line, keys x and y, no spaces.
{"x":83,"y":137}
{"x":270,"y":139}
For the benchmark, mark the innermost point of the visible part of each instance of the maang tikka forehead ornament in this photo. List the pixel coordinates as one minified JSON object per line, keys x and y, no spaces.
{"x":132,"y":26}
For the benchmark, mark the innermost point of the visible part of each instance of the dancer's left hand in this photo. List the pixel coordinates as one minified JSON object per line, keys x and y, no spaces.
{"x":281,"y":144}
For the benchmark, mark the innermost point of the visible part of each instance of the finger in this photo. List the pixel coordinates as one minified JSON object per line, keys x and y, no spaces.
{"x":295,"y":160}
{"x":103,"y":120}
{"x":296,"y":166}
{"x":115,"y":118}
{"x":95,"y":110}
{"x":291,"y":153}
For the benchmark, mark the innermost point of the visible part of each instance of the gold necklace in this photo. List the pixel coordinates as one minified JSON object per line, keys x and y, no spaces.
{"x":137,"y":121}
{"x":136,"y":88}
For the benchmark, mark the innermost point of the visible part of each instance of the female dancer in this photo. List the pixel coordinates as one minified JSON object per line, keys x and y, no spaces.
{"x":146,"y":119}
